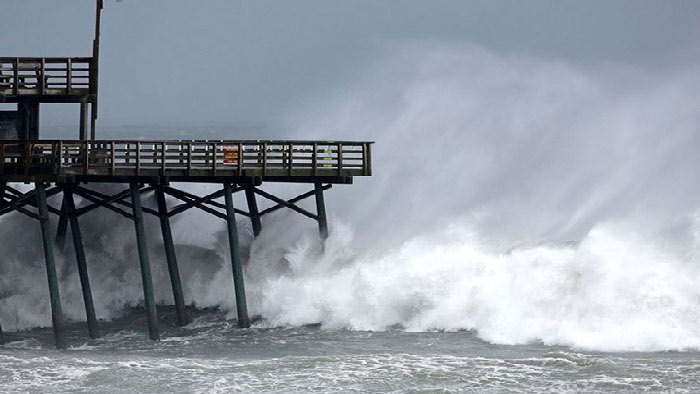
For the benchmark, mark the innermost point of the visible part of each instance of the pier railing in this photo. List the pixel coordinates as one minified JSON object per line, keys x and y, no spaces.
{"x":46,"y":76}
{"x":186,"y":158}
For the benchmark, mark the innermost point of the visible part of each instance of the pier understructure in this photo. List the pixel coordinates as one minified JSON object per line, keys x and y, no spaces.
{"x":60,"y":170}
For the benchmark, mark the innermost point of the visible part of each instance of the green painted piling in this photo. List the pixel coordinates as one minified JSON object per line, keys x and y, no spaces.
{"x":321,"y":211}
{"x":239,"y":287}
{"x":171,"y":258}
{"x":253,"y":210}
{"x":146,"y":280}
{"x":62,"y":228}
{"x":70,"y":213}
{"x":56,"y":312}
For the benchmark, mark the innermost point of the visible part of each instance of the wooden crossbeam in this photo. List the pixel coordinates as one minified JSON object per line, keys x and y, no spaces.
{"x":17,"y":200}
{"x":294,"y":200}
{"x":284,"y":203}
{"x":101,"y":202}
{"x":111,"y":199}
{"x":180,"y":195}
{"x":195,"y":200}
{"x":211,"y":201}
{"x":120,"y":200}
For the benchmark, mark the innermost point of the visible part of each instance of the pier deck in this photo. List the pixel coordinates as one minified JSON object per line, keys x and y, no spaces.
{"x":48,"y":79}
{"x":183,"y":161}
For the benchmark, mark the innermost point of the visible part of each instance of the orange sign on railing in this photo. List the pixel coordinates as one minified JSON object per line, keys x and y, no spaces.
{"x":231,"y":155}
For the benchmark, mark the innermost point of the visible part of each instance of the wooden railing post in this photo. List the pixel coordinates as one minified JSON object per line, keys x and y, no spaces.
{"x":213,"y":163}
{"x":162,"y":158}
{"x":189,"y":158}
{"x":264,"y":158}
{"x":241,"y":157}
{"x":16,"y":76}
{"x":314,"y":159}
{"x":368,"y":159}
{"x":42,"y":85}
{"x":138,"y":158}
{"x":113,"y":158}
{"x":86,"y":157}
{"x":340,"y":158}
{"x":69,"y":75}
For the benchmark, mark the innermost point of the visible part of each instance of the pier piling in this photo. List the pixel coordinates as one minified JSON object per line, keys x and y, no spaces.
{"x":171,"y":258}
{"x":321,"y":211}
{"x":56,"y":312}
{"x":62,"y":228}
{"x":70,"y":165}
{"x":69,"y":204}
{"x":253,"y":210}
{"x":147,"y":282}
{"x":239,"y":287}
{"x":84,"y":121}
{"x":2,"y":201}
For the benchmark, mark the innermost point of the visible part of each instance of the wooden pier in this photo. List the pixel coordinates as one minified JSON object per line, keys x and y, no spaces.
{"x":63,"y":169}
{"x":70,"y":168}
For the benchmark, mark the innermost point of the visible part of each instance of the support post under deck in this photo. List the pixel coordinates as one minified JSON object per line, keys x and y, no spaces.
{"x":2,"y":202}
{"x":62,"y":228}
{"x":80,"y":258}
{"x":239,"y":287}
{"x":147,"y":282}
{"x":171,"y":258}
{"x":56,"y":312}
{"x":93,"y":121}
{"x":83,"y":121}
{"x":321,"y":211}
{"x":253,"y":210}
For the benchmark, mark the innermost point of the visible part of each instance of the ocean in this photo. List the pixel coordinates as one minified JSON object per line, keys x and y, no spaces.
{"x":212,"y":355}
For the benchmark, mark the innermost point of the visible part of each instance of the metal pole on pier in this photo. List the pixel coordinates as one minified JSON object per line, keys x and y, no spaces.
{"x":171,"y":257}
{"x":147,"y":282}
{"x":80,"y":258}
{"x":56,"y":312}
{"x":239,"y":287}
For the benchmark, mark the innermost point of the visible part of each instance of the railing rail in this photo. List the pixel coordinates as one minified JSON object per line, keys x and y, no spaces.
{"x":186,"y":158}
{"x":46,"y":76}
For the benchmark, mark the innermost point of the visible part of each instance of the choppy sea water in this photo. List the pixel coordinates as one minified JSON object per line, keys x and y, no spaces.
{"x":212,"y":355}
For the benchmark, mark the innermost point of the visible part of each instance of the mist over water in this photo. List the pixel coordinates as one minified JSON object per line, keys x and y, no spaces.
{"x":522,"y":199}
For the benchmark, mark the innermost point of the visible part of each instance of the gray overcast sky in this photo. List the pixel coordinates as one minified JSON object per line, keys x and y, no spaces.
{"x":231,"y":62}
